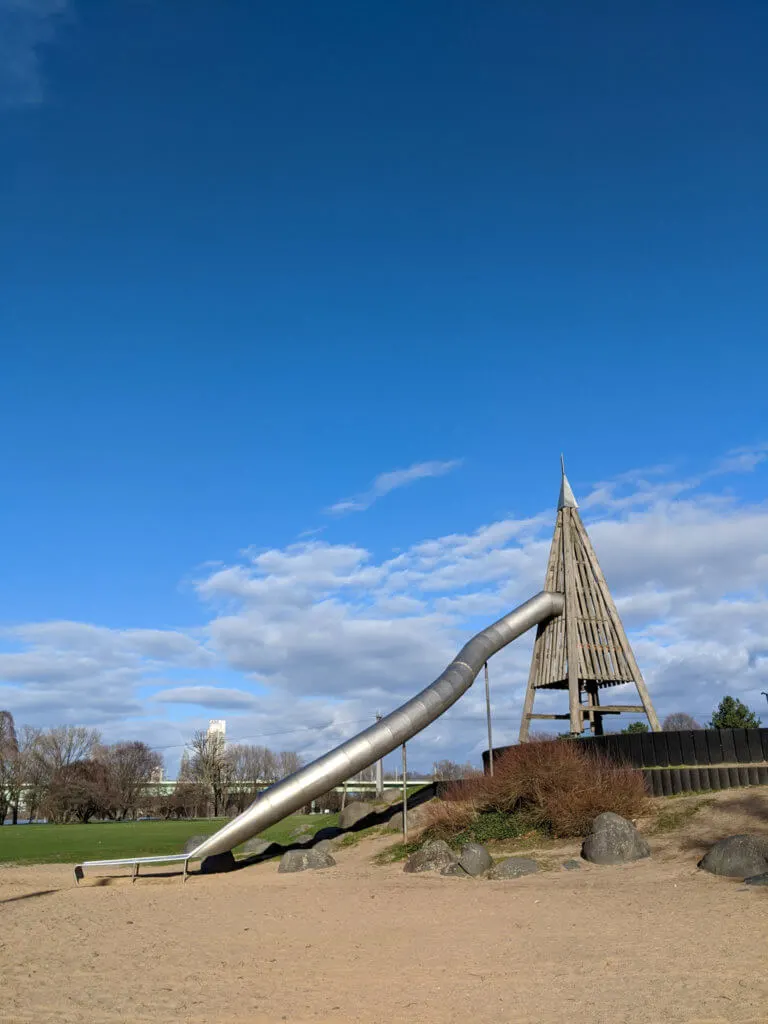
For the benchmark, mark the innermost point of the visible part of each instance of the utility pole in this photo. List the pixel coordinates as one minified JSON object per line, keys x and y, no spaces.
{"x":488,"y":716}
{"x":379,"y":771}
{"x":405,"y":796}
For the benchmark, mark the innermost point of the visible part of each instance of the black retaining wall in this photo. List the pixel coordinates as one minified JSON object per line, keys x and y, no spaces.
{"x":689,"y":761}
{"x":670,"y":781}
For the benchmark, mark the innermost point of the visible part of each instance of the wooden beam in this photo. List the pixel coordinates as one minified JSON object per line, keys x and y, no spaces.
{"x":605,"y":709}
{"x":571,"y":624}
{"x":618,"y":709}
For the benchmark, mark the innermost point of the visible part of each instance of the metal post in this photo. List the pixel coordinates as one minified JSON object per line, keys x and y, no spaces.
{"x":344,"y":797}
{"x":405,"y":796}
{"x":379,"y":771}
{"x":488,"y":716}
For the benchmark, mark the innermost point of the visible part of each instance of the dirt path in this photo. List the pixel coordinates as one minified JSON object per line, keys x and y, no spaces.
{"x":651,"y":942}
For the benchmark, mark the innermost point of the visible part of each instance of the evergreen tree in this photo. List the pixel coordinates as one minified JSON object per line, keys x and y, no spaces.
{"x":733,"y":714}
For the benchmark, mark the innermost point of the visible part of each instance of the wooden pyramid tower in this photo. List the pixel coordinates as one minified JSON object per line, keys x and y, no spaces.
{"x":585,"y":649}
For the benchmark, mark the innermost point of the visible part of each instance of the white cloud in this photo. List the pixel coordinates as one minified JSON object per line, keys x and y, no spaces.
{"x":26,"y":27}
{"x":219,"y":697}
{"x":741,"y":460}
{"x":385,"y":483}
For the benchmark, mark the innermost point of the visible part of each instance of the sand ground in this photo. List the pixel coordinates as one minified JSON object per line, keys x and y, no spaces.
{"x":650,"y":942}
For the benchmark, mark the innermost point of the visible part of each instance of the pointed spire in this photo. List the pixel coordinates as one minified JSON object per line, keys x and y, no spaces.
{"x":566,"y":499}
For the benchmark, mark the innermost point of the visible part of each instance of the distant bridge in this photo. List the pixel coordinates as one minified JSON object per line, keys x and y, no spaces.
{"x":167,"y":786}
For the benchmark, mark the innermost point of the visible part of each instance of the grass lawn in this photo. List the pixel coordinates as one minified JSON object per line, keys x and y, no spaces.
{"x":70,"y":844}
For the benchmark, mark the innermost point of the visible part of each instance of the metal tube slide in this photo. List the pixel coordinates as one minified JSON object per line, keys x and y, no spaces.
{"x":293,"y":792}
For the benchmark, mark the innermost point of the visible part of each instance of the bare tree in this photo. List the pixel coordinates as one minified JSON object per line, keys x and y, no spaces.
{"x":452,"y":770}
{"x":129,"y":769}
{"x":679,"y":720}
{"x":253,"y":763}
{"x":10,"y":765}
{"x":288,"y":762}
{"x":210,"y":766}
{"x":34,"y":778}
{"x":64,"y":745}
{"x":77,"y":791}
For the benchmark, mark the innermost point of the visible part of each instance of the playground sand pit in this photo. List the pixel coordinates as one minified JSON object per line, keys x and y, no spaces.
{"x":649,"y":942}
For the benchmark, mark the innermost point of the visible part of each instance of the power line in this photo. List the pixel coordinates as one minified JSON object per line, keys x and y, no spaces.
{"x":340,"y":725}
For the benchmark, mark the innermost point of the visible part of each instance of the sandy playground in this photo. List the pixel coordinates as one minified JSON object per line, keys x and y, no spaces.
{"x":650,"y":942}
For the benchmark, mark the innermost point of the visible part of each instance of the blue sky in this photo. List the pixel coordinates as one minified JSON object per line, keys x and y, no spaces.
{"x":261,"y":259}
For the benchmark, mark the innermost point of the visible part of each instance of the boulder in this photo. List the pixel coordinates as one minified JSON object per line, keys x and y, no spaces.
{"x":475,"y":859}
{"x":354,"y":812}
{"x":737,"y":857}
{"x":304,"y":860}
{"x":454,"y":871}
{"x":613,"y":840}
{"x":193,"y":842}
{"x":571,"y":865}
{"x":324,"y":846}
{"x":255,"y":847}
{"x":431,"y":857}
{"x":416,"y":818}
{"x":513,"y":867}
{"x":218,"y":863}
{"x":391,"y":796}
{"x":757,"y":879}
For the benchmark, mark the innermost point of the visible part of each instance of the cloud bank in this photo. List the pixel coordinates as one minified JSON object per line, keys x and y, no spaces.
{"x":314,"y":638}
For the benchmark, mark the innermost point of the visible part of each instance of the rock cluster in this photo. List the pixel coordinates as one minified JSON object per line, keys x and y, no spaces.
{"x":474,"y":861}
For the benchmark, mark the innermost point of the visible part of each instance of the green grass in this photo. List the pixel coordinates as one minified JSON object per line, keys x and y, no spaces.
{"x":497,"y":826}
{"x":69,"y":844}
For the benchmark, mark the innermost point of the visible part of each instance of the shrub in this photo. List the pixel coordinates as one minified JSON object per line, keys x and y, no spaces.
{"x":444,"y":819}
{"x":556,"y":786}
{"x":496,"y":825}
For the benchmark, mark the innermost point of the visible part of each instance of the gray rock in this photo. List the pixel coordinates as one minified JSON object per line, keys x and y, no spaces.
{"x":193,"y":842}
{"x":391,"y":796}
{"x":324,"y":846}
{"x":737,"y":857}
{"x":255,"y":847}
{"x":417,"y":817}
{"x":571,"y":865}
{"x":432,"y":857}
{"x":454,"y":871}
{"x":513,"y":867}
{"x":475,"y":859}
{"x":354,"y":812}
{"x":218,"y":863}
{"x":304,"y":860}
{"x":613,"y":840}
{"x":757,"y":879}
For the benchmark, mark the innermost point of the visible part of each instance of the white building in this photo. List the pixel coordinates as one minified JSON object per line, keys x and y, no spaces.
{"x":217,"y":727}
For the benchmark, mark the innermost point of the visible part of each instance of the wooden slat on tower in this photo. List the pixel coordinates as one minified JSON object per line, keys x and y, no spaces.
{"x":585,"y":649}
